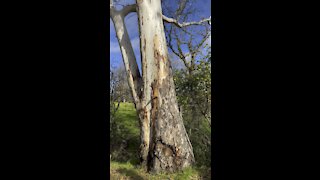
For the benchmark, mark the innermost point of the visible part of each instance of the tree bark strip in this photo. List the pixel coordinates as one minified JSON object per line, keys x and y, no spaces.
{"x":170,"y":148}
{"x":134,"y":80}
{"x":165,"y":145}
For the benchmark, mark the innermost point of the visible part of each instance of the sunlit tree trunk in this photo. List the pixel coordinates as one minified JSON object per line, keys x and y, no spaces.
{"x":134,"y":80}
{"x":170,"y":148}
{"x":165,"y":145}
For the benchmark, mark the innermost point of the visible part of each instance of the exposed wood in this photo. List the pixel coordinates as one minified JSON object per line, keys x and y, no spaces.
{"x":185,"y":24}
{"x":170,"y":148}
{"x":165,"y":145}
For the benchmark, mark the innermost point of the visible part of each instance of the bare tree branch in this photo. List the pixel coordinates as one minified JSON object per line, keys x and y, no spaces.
{"x":181,"y":25}
{"x":124,"y":11}
{"x":111,"y":4}
{"x":128,"y":56}
{"x":128,"y":9}
{"x":182,"y":6}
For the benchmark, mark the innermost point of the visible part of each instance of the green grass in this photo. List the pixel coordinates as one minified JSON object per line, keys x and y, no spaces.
{"x":127,"y":117}
{"x":128,"y":130}
{"x":129,"y":171}
{"x":126,"y":165}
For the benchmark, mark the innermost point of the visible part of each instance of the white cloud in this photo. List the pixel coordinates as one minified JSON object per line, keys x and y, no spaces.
{"x":114,"y":47}
{"x":111,"y":27}
{"x":135,"y":43}
{"x":120,"y":3}
{"x":208,"y":41}
{"x":132,"y":25}
{"x":207,"y":46}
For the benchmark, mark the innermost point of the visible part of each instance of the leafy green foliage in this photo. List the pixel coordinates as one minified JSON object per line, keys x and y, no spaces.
{"x":121,"y":130}
{"x":194,"y":98}
{"x":124,"y":160}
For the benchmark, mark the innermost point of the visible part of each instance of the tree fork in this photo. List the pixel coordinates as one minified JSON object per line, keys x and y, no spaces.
{"x":165,"y":145}
{"x":133,"y":75}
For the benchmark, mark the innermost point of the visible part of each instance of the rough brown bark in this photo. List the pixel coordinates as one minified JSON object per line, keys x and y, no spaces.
{"x":170,"y":149}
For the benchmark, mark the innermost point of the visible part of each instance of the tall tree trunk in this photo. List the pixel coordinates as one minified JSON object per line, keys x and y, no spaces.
{"x":169,"y":145}
{"x":135,"y":82}
{"x":165,"y":145}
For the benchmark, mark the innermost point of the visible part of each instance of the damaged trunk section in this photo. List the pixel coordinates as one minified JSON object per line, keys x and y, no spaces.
{"x":165,"y":145}
{"x":169,"y":148}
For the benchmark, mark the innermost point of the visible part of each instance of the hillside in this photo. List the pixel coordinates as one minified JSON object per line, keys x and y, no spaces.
{"x":125,"y":146}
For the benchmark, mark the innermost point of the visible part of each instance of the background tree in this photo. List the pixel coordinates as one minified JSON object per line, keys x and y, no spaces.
{"x":119,"y":90}
{"x":190,"y":47}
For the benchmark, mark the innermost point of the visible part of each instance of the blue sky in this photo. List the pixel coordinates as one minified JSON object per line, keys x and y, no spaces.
{"x":203,"y":7}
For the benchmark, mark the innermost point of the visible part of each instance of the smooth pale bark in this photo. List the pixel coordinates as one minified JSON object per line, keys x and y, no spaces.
{"x":170,"y":148}
{"x":134,"y":80}
{"x":129,"y":60}
{"x":165,"y":145}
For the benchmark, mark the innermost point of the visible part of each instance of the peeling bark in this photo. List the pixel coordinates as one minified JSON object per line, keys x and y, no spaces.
{"x":165,"y":145}
{"x":134,"y":78}
{"x":129,"y":60}
{"x":170,"y":148}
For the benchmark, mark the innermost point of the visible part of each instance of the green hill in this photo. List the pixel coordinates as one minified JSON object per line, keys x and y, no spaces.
{"x":125,"y":146}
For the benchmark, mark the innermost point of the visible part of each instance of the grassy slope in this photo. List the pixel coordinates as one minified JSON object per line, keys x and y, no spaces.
{"x":127,"y":119}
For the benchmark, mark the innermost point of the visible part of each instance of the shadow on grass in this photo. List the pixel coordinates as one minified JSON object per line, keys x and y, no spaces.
{"x":129,"y":154}
{"x":130,"y":173}
{"x":205,"y":172}
{"x":125,"y":135}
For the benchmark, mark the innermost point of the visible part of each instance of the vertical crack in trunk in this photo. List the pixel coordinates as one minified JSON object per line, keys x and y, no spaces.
{"x":172,"y":148}
{"x":165,"y":145}
{"x":169,"y":147}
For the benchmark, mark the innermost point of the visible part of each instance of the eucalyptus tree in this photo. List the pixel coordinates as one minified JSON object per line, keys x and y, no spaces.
{"x":165,"y":145}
